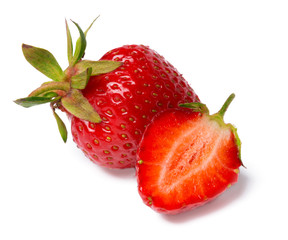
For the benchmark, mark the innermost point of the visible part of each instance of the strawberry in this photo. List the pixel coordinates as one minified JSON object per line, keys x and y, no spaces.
{"x":186,"y":158}
{"x":110,"y":101}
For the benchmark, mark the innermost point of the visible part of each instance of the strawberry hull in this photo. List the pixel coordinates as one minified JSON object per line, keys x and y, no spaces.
{"x":126,"y":100}
{"x":109,"y":102}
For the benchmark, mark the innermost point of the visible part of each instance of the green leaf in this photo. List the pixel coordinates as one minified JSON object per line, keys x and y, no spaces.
{"x":80,"y":46}
{"x":80,"y":81}
{"x":50,"y":94}
{"x":43,"y":61}
{"x":33,"y":101}
{"x":98,"y":67}
{"x":237,"y":139}
{"x":61,"y":126}
{"x":50,"y":86}
{"x":90,"y":26}
{"x":75,"y":103}
{"x":196,"y":107}
{"x":69,"y":44}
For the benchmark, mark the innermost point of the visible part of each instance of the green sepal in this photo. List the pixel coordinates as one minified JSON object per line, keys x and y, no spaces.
{"x":75,"y":103}
{"x":43,"y":61}
{"x":196,"y":107}
{"x":61,"y":126}
{"x":237,"y":139}
{"x":50,"y":86}
{"x":69,"y":44}
{"x":33,"y":101}
{"x":50,"y":94}
{"x":98,"y":67}
{"x":80,"y":81}
{"x":80,"y":46}
{"x":85,"y":33}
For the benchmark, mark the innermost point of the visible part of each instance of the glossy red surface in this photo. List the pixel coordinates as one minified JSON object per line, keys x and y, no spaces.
{"x":127,"y":99}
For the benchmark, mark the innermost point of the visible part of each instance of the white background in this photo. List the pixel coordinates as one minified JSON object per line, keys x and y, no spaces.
{"x":49,"y":190}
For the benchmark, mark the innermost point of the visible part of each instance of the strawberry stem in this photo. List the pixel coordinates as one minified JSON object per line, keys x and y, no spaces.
{"x":226,"y":105}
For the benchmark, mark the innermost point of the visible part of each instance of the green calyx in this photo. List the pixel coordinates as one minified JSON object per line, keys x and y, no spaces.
{"x":196,"y":107}
{"x":65,"y":88}
{"x":218,"y":117}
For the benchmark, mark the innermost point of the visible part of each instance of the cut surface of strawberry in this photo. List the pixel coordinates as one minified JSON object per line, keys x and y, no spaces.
{"x":186,"y":158}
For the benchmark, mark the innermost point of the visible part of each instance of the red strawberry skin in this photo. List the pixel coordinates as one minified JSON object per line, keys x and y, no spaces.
{"x":126,"y":100}
{"x":184,"y":161}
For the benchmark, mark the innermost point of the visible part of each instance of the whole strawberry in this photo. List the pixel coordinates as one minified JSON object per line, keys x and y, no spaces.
{"x":187,"y":158}
{"x":110,"y":102}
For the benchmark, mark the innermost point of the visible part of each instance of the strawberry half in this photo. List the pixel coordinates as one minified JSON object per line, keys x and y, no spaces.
{"x":186,"y":158}
{"x":110,"y":101}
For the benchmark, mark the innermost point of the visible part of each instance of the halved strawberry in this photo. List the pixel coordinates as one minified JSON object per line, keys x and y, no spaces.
{"x":187,"y":157}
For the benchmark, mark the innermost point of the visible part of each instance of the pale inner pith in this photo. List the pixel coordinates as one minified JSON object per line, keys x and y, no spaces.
{"x":191,"y":152}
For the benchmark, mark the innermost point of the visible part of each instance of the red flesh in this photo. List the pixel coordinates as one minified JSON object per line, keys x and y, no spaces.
{"x":126,"y":100}
{"x":188,"y":159}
